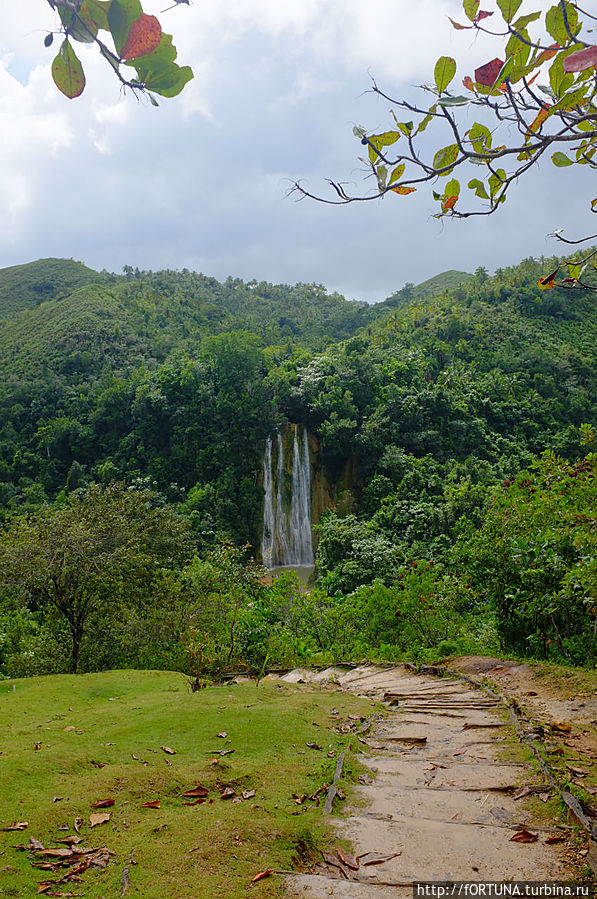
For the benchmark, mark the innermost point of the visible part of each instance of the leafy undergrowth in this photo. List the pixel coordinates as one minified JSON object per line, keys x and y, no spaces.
{"x":56,"y":732}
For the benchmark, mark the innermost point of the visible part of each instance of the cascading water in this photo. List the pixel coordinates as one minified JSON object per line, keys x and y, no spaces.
{"x":287,"y":538}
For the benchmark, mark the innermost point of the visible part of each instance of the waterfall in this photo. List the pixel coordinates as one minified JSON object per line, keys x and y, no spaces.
{"x":287,"y":536}
{"x":267,"y":542}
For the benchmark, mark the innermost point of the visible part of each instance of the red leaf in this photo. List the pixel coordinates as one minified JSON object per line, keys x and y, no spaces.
{"x":198,"y":791}
{"x":581,"y":60}
{"x":144,"y":37}
{"x":482,"y":14}
{"x":403,"y":191}
{"x":524,"y":836}
{"x":103,"y":803}
{"x":538,"y":121}
{"x":488,"y":74}
{"x":154,"y":804}
{"x":468,"y":83}
{"x":547,"y":54}
{"x":449,"y":203}
{"x":261,"y":874}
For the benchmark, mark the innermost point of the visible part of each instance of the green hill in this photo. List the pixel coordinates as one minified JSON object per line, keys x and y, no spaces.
{"x":26,"y":286}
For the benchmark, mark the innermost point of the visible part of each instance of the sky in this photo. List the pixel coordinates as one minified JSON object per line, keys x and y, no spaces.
{"x":202,"y":182}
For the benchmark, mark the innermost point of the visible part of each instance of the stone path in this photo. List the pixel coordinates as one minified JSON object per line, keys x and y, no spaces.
{"x":443,"y":774}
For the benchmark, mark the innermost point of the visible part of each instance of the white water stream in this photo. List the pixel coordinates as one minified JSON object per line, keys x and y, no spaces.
{"x":287,"y":539}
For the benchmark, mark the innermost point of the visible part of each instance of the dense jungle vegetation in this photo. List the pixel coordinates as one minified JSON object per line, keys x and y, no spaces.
{"x":455,"y":426}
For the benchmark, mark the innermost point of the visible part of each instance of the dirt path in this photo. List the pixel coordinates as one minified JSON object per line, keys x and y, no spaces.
{"x":439,"y":801}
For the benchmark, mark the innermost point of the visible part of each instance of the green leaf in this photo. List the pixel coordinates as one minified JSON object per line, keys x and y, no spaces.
{"x":397,"y":174}
{"x":382,"y":174}
{"x":480,"y":138}
{"x":121,"y":15}
{"x":172,"y":81}
{"x":98,"y":10}
{"x":445,"y":157}
{"x":555,"y":24}
{"x":445,"y":69}
{"x":48,"y":40}
{"x":524,"y":21}
{"x":405,"y":127}
{"x":559,"y":80}
{"x":67,"y":71}
{"x":509,"y":8}
{"x":496,"y":181}
{"x":452,"y":188}
{"x":479,"y":188}
{"x":454,"y":101}
{"x":471,"y":8}
{"x":561,"y":160}
{"x":81,"y":27}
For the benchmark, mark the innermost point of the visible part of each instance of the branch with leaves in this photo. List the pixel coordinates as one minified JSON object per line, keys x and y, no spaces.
{"x":537,"y":97}
{"x":137,"y":42}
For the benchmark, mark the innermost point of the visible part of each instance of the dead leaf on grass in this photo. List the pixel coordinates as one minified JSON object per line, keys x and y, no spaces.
{"x":228,"y":793}
{"x":580,"y":772}
{"x":521,"y":792}
{"x":248,"y":794}
{"x":77,"y":823}
{"x":558,"y":838}
{"x":37,"y":747}
{"x":103,"y":803}
{"x":196,"y":802}
{"x":222,"y":735}
{"x":261,"y":875}
{"x":155,"y":803}
{"x":524,"y":836}
{"x":98,"y":764}
{"x":198,"y":791}
{"x":35,"y":844}
{"x":168,"y":750}
{"x":18,"y":825}
{"x":69,"y":727}
{"x":56,"y":853}
{"x":313,"y":745}
{"x":98,"y":818}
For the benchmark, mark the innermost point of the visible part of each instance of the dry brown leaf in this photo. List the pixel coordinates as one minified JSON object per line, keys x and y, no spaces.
{"x":248,"y":794}
{"x":228,"y":793}
{"x":98,"y":818}
{"x":155,"y":803}
{"x":524,"y":836}
{"x":35,"y":844}
{"x":98,"y":764}
{"x":222,"y":734}
{"x":261,"y":874}
{"x":557,"y":838}
{"x":347,"y":859}
{"x":522,"y":791}
{"x":37,"y":747}
{"x":71,"y":841}
{"x":199,"y":791}
{"x":43,"y":887}
{"x":56,"y":853}
{"x":103,"y":803}
{"x":196,"y":802}
{"x":77,"y":823}
{"x":580,"y":772}
{"x":69,"y":727}
{"x":379,"y":859}
{"x":17,"y":825}
{"x":168,"y":750}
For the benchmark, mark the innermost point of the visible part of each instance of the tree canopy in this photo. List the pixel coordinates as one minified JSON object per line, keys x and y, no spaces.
{"x":135,"y":40}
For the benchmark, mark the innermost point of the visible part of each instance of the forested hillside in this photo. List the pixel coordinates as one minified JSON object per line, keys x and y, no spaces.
{"x":173,"y":381}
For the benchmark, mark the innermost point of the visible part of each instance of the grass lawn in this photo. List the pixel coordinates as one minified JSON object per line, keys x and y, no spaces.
{"x":56,"y":731}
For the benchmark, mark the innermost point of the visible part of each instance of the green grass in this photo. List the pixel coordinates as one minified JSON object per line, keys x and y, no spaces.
{"x":210,"y":850}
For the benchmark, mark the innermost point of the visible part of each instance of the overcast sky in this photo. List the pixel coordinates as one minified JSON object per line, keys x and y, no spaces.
{"x":201,"y":182}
